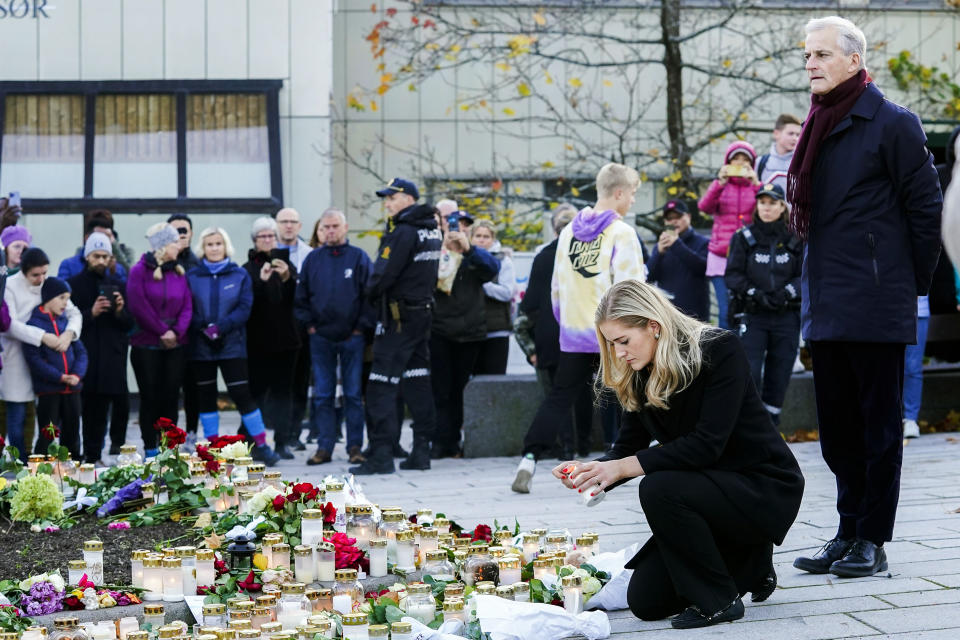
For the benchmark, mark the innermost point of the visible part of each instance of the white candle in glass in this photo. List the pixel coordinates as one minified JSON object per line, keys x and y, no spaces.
{"x":342,"y":603}
{"x":378,"y":558}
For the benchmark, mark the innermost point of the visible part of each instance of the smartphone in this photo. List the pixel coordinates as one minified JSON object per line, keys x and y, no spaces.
{"x":13,"y":200}
{"x":453,"y":221}
{"x":107,"y":291}
{"x":281,"y":254}
{"x":736,"y":170}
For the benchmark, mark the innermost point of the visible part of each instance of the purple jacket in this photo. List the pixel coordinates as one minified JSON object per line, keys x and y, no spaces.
{"x":157,"y":305}
{"x":4,"y":320}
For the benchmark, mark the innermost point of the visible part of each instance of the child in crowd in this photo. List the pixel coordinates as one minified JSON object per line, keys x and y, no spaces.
{"x":730,"y":200}
{"x":56,"y":376}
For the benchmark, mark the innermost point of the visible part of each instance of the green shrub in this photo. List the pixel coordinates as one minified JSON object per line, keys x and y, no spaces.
{"x":36,"y":498}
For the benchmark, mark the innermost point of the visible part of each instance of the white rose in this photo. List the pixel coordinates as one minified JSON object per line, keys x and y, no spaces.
{"x":235,"y":450}
{"x":57,"y":581}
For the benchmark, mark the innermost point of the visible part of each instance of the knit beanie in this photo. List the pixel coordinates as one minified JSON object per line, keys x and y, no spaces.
{"x":52,"y":287}
{"x":740,"y":146}
{"x":97,"y":241}
{"x":163,"y":236}
{"x":15,"y":233}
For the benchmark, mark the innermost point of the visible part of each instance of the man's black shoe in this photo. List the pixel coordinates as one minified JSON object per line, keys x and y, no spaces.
{"x":693,"y":618}
{"x":399,"y":452}
{"x":862,"y":559}
{"x":299,"y":446}
{"x":373,"y":466}
{"x":826,"y":556}
{"x":419,"y":458}
{"x":263,"y":453}
{"x":284,"y":452}
{"x":765,"y":589}
{"x":444,"y":451}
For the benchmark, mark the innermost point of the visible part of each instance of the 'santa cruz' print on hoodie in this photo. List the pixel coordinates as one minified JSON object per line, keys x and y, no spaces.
{"x":595,"y":251}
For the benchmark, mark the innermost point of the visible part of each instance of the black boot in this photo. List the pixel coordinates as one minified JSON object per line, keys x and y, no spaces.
{"x":419,"y":457}
{"x":380,"y":461}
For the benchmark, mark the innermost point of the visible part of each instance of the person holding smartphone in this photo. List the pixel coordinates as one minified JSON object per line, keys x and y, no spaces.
{"x":730,"y":200}
{"x":273,"y":338}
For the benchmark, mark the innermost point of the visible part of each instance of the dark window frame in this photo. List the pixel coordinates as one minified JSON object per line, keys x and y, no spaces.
{"x":180,"y":89}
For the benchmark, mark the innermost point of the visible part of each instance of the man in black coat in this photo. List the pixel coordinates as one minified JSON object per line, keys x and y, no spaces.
{"x":401,"y":289}
{"x":106,"y":325}
{"x":866,"y":201}
{"x":678,"y":263}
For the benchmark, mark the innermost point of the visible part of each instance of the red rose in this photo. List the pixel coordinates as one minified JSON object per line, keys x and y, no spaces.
{"x":164,"y":424}
{"x":174,"y":437}
{"x":51,"y":431}
{"x":221,"y":567}
{"x":212,"y":466}
{"x":278,"y":503}
{"x":249,"y":584}
{"x":329,"y":513}
{"x":73,"y":603}
{"x":204,"y":453}
{"x":482,"y":532}
{"x":303,"y":491}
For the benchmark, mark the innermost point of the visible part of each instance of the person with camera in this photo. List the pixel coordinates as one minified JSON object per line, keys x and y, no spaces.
{"x":401,"y":290}
{"x":222,"y":299}
{"x":106,"y":327}
{"x":763,"y":277}
{"x":678,"y":262}
{"x":273,"y":338}
{"x":459,"y":329}
{"x":499,"y":293}
{"x":730,"y":200}
{"x":331,"y":306}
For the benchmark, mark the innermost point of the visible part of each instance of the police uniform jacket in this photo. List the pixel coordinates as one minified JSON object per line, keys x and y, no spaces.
{"x":408,"y":258}
{"x":763,"y":268}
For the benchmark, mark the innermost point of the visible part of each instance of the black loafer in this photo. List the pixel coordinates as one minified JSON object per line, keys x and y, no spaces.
{"x":862,"y":559}
{"x":765,"y":589}
{"x":825,"y":557}
{"x":693,"y":618}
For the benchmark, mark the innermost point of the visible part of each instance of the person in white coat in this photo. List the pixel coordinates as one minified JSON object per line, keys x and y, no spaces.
{"x":951,"y":214}
{"x":22,"y":295}
{"x":499,"y":295}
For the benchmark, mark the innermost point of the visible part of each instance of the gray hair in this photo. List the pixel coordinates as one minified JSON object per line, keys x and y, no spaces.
{"x":850,"y":38}
{"x":263,"y":223}
{"x":334,"y":212}
{"x":562,"y":215}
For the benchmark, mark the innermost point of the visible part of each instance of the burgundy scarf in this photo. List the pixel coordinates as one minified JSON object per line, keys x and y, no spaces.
{"x":825,"y":113}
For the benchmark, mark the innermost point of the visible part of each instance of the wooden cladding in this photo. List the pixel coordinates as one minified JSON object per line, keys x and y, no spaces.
{"x":135,"y":128}
{"x":43,"y":128}
{"x":227,"y":128}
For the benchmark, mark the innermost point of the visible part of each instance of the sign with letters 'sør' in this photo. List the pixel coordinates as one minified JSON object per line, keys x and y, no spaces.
{"x":19,"y":9}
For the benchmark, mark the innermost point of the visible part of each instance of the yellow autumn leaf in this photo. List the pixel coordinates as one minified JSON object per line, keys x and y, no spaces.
{"x":373,"y":105}
{"x":431,"y":46}
{"x":503,"y":66}
{"x":574,"y":192}
{"x":523,"y":90}
{"x":386,"y":78}
{"x":454,"y":48}
{"x":203,"y":520}
{"x":575,"y":82}
{"x":411,"y":87}
{"x":260,"y":561}
{"x":672,"y":191}
{"x":727,"y":63}
{"x":548,"y":77}
{"x":508,"y":111}
{"x":539,"y":19}
{"x":175,"y":517}
{"x":568,"y":147}
{"x":643,"y":176}
{"x":607,"y":83}
{"x":547,"y":165}
{"x":464,"y":107}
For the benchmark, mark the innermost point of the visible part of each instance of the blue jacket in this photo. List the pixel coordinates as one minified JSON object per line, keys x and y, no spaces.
{"x":225,"y":299}
{"x":330,"y":292}
{"x":75,"y":264}
{"x":681,"y":272}
{"x":47,"y":365}
{"x":874,"y":227}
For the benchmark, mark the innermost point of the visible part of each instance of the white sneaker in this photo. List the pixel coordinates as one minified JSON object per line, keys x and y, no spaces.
{"x":911,"y":429}
{"x":525,"y":471}
{"x":798,"y":365}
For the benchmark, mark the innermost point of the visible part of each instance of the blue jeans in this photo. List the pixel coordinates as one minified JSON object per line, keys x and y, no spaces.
{"x":324,"y":354}
{"x":720,"y":289}
{"x":913,"y":372}
{"x":16,"y":418}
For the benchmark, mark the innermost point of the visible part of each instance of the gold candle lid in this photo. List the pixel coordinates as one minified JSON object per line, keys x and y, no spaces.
{"x":303,"y":550}
{"x":293,"y":587}
{"x":496,"y":552}
{"x":401,"y":627}
{"x":378,"y":543}
{"x":270,"y":627}
{"x":506,"y":591}
{"x":272,"y":475}
{"x":171,"y":562}
{"x":266,"y":601}
{"x":571,"y":581}
{"x":139,"y":554}
{"x":128,"y":448}
{"x":281,"y":547}
{"x":441,"y":522}
{"x":342,"y":575}
{"x":531,"y":538}
{"x":521,"y":587}
{"x":152,"y":561}
{"x":260,"y":612}
{"x":557,"y":538}
{"x":256,"y":467}
{"x":334,"y":486}
{"x":226,"y":634}
{"x":378,"y":631}
{"x":206,"y":555}
{"x":429,"y":532}
{"x":215,"y":609}
{"x":86,"y":466}
{"x":312,"y":514}
{"x":363,"y":509}
{"x":405,"y":535}
{"x":209,"y":631}
{"x":186,"y":552}
{"x":478,"y":549}
{"x":325,"y":592}
{"x":66,"y":622}
{"x":320,"y":622}
{"x":354,"y":619}
{"x":241,"y":614}
{"x":312,"y":594}
{"x":247,"y":634}
{"x":327,"y":547}
{"x":394,"y":516}
{"x":138,"y":635}
{"x":418,"y":587}
{"x":242,"y":461}
{"x":453,"y":589}
{"x":93,"y":545}
{"x":169,"y":632}
{"x":487,"y":589}
{"x":272,"y":538}
{"x":510,"y":562}
{"x":502,"y":535}
{"x":43,"y":631}
{"x":436,"y":556}
{"x":453,"y":604}
{"x":77,"y":565}
{"x":239,"y":624}
{"x":584,"y":541}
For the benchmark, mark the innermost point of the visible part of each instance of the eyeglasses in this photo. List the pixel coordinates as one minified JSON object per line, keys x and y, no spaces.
{"x":265,"y":236}
{"x":288,"y":221}
{"x":182,"y":230}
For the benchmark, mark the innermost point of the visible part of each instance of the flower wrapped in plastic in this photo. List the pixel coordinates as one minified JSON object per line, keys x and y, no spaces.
{"x":131,"y":491}
{"x":260,"y":500}
{"x":42,"y":598}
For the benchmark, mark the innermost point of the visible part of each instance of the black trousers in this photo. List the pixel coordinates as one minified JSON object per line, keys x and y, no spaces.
{"x":235,"y":375}
{"x":574,"y":370}
{"x":301,"y":386}
{"x":401,"y":362}
{"x":859,"y":388}
{"x":271,"y":383}
{"x":97,"y":408}
{"x":492,"y":360}
{"x":63,"y":411}
{"x":703,"y":552}
{"x":159,"y":375}
{"x":577,"y":432}
{"x":190,"y":410}
{"x":451,"y":364}
{"x":771,"y":342}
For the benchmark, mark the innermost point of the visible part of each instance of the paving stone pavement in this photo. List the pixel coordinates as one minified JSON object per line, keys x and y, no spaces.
{"x":917,"y":599}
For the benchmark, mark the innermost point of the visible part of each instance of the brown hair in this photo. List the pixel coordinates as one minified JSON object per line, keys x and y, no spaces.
{"x":784,"y":119}
{"x":314,"y":243}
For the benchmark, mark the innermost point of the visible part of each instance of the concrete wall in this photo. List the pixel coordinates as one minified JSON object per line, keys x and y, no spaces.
{"x":190,"y":39}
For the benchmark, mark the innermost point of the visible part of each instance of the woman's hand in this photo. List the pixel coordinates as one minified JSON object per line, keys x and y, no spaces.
{"x":562,"y":472}
{"x":281,"y":268}
{"x":592,"y":477}
{"x":169,"y":339}
{"x":722,"y":174}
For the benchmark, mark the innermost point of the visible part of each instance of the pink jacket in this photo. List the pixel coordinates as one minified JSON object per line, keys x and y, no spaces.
{"x":731,"y":205}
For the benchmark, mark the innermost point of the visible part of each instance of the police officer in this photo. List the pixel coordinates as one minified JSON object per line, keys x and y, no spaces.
{"x":401,"y":287}
{"x":763,"y":277}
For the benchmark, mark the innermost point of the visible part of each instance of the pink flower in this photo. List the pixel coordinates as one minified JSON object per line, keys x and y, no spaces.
{"x":118,"y":525}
